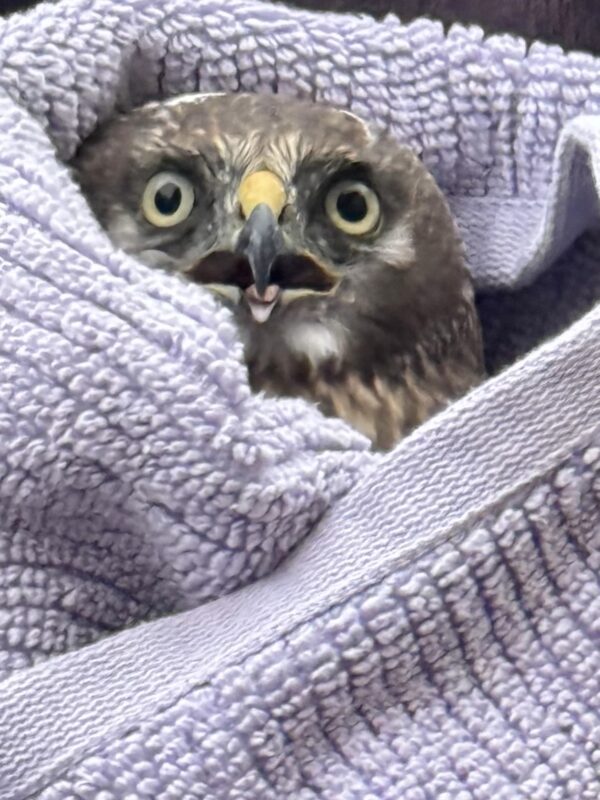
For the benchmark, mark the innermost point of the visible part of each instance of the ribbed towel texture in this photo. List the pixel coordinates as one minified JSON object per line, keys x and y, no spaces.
{"x":317,"y":622}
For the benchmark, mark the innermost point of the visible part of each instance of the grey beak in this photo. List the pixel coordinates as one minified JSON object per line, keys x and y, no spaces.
{"x":261,"y":242}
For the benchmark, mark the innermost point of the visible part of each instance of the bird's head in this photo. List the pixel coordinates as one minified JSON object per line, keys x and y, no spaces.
{"x":289,"y":210}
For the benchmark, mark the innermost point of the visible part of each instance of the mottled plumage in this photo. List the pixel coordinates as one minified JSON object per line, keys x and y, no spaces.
{"x":332,"y":244}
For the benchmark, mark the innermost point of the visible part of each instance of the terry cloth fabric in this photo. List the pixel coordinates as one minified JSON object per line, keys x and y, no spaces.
{"x":434,"y":633}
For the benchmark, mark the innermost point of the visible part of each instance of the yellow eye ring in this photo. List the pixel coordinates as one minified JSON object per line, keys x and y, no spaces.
{"x":353,"y":207}
{"x":168,"y":199}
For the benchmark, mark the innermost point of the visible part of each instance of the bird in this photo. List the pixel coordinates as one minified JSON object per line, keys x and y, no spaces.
{"x":327,"y":238}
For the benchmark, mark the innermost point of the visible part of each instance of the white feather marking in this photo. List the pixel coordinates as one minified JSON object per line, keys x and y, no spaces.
{"x":123,"y":230}
{"x":370,"y":137}
{"x":468,"y":292}
{"x":192,"y":97}
{"x":316,"y":341}
{"x":396,"y":247}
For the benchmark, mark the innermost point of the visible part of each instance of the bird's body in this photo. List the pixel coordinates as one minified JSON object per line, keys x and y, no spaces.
{"x":333,"y":246}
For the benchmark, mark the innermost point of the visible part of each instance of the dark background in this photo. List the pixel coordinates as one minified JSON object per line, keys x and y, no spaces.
{"x":572,"y":23}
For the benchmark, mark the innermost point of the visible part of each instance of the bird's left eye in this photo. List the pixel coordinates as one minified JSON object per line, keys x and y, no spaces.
{"x":353,"y":207}
{"x":168,"y":199}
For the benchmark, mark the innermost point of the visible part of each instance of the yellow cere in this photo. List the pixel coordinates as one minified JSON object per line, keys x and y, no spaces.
{"x":262,"y":187}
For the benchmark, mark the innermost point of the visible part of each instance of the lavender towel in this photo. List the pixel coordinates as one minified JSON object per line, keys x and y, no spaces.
{"x":434,"y":635}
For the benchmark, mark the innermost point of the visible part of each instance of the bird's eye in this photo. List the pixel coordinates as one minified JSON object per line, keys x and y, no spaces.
{"x":168,"y":199}
{"x":353,"y":207}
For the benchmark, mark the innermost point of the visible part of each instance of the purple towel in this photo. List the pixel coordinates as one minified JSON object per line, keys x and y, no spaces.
{"x":434,"y":635}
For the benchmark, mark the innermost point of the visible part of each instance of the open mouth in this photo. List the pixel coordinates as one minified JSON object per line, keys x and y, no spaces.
{"x":261,"y":306}
{"x":288,"y":271}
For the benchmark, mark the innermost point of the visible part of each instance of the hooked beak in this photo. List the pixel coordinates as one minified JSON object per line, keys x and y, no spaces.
{"x":261,"y":242}
{"x":262,"y":198}
{"x":260,"y":267}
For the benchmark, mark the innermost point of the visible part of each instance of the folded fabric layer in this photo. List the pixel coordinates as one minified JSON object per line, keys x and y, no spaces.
{"x":435,"y":635}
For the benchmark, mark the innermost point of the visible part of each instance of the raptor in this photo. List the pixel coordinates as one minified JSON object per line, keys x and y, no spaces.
{"x":331,"y":243}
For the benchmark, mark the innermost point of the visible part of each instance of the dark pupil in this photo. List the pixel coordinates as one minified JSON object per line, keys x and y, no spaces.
{"x":352,"y":206}
{"x":168,"y":198}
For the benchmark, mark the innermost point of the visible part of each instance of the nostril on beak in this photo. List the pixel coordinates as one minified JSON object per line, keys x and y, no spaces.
{"x":286,"y":214}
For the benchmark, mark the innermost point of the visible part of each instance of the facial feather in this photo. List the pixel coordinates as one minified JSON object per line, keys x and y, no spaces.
{"x":373,"y":322}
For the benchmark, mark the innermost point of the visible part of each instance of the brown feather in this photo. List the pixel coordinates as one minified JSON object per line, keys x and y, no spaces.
{"x":397,"y":337}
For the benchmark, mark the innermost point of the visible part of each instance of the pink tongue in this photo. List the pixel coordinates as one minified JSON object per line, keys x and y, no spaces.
{"x":262,"y":305}
{"x":271,"y":294}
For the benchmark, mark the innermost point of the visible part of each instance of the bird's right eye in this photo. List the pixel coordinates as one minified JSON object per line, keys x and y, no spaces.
{"x":168,"y":199}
